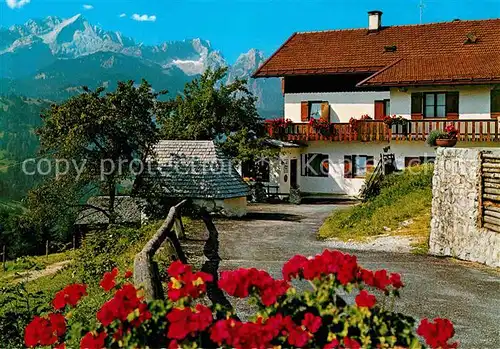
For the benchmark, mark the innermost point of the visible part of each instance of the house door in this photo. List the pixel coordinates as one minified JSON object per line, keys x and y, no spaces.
{"x":293,"y":173}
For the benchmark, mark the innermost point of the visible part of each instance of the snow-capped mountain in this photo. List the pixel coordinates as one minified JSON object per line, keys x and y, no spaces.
{"x":52,"y":57}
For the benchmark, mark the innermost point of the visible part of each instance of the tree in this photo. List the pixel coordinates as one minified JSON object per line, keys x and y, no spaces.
{"x":209,"y":109}
{"x":99,"y":141}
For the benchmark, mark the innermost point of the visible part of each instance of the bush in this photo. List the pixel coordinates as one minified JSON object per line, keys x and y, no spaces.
{"x":433,"y":135}
{"x":103,"y":250}
{"x":318,"y":317}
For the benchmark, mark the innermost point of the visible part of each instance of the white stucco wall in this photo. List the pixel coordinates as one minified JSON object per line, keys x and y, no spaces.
{"x":343,"y":105}
{"x":474,"y":101}
{"x":335,"y":183}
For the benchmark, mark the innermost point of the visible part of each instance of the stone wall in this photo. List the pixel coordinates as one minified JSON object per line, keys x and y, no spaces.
{"x":456,"y":225}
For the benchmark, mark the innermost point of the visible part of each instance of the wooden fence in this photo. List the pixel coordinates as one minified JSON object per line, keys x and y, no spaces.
{"x":490,"y":192}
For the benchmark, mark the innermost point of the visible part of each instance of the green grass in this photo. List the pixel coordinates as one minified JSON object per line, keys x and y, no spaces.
{"x":403,"y":196}
{"x":23,"y":264}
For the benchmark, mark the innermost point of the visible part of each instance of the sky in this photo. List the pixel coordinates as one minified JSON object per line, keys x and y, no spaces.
{"x":235,"y":26}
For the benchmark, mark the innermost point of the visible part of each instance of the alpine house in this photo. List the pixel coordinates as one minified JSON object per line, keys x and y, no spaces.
{"x":342,"y":89}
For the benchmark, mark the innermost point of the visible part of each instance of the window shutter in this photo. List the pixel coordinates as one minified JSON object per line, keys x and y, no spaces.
{"x":452,"y":105}
{"x":304,"y":111}
{"x":379,"y":110}
{"x":417,"y":105}
{"x":348,"y":166}
{"x":370,"y":163}
{"x":495,"y":104}
{"x":325,"y":111}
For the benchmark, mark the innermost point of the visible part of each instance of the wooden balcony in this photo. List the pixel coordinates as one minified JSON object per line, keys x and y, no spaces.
{"x":485,"y":130}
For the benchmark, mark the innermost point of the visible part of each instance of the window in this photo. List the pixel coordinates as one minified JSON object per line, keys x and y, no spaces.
{"x":418,"y":160}
{"x":495,"y":101}
{"x":259,"y":170}
{"x":314,"y":165}
{"x":315,"y":110}
{"x":435,"y":105}
{"x":357,"y":166}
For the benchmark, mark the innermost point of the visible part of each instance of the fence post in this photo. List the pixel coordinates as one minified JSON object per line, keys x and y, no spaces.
{"x":47,"y":249}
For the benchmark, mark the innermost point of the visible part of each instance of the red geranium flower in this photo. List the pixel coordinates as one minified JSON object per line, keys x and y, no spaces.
{"x":396,"y":280}
{"x":108,"y":280}
{"x":91,"y":341}
{"x":437,"y":334}
{"x":128,"y":274}
{"x":381,"y":280}
{"x":70,"y":295}
{"x":58,"y":323}
{"x":364,"y":299}
{"x":39,"y":332}
{"x":311,"y":322}
{"x":351,"y":343}
{"x":332,"y":345}
{"x":293,"y":267}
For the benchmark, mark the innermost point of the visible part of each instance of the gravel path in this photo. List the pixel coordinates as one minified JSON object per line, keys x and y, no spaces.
{"x":436,"y":287}
{"x":27,"y":276}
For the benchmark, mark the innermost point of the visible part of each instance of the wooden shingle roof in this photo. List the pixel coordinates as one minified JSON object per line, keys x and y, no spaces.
{"x":198,"y":170}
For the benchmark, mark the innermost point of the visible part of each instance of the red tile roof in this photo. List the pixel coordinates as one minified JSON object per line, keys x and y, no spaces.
{"x":424,"y":53}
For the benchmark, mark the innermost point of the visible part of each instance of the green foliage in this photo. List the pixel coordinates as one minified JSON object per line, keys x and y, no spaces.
{"x":19,"y":117}
{"x":402,"y":196}
{"x":17,"y":308}
{"x":102,"y":136}
{"x":209,"y":109}
{"x":433,"y":135}
{"x":103,"y":250}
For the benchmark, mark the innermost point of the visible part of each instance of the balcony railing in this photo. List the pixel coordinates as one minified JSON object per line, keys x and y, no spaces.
{"x":485,"y":130}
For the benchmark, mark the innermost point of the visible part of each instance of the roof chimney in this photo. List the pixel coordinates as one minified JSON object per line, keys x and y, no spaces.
{"x":374,"y":20}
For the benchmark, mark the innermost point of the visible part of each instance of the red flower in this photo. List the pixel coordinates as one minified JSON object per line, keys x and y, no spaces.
{"x":177,"y":268}
{"x":381,"y":280}
{"x":173,"y":345}
{"x":351,"y":343}
{"x":367,"y":277}
{"x":39,"y":332}
{"x":186,"y":321}
{"x":108,"y":280}
{"x":60,"y":346}
{"x":396,"y":280}
{"x":364,"y":299}
{"x":297,"y":336}
{"x":124,"y":302}
{"x":332,"y":345}
{"x":293,"y":267}
{"x":185,"y":283}
{"x":58,"y":323}
{"x":91,"y":341}
{"x":437,"y":334}
{"x":311,"y":322}
{"x":241,"y":282}
{"x":128,"y":274}
{"x":70,"y":295}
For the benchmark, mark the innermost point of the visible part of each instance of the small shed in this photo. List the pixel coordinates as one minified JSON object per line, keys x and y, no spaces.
{"x":128,"y":213}
{"x":200,"y":171}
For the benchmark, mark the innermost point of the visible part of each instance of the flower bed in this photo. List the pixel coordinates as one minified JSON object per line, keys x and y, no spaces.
{"x":318,"y":317}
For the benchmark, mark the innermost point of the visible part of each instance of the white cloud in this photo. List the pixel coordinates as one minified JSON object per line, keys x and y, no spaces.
{"x":123,"y":15}
{"x":17,"y":3}
{"x":143,"y":18}
{"x":88,"y":7}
